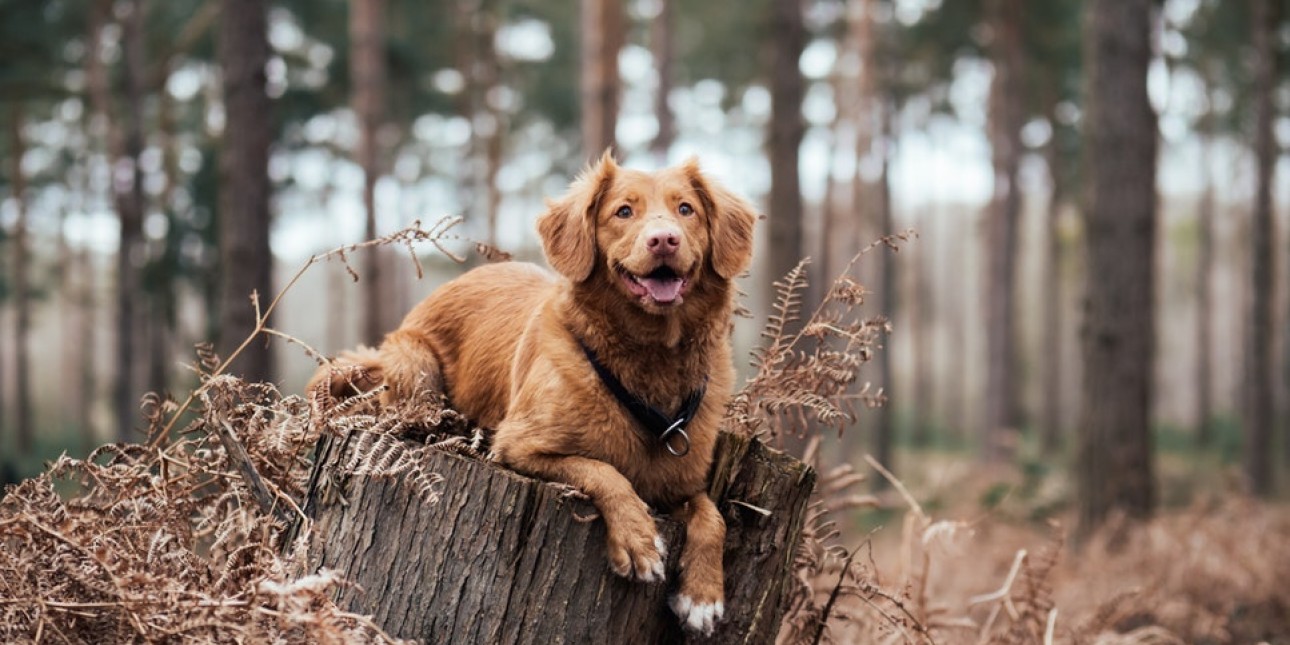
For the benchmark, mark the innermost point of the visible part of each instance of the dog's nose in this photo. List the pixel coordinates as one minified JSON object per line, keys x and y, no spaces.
{"x":663,"y":241}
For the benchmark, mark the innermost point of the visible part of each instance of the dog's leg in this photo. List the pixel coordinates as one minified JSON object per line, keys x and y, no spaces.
{"x":700,"y":601}
{"x":409,"y":366}
{"x":635,"y":549}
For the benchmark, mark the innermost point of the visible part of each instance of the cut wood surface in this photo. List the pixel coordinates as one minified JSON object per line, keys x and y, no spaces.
{"x":503,"y":558}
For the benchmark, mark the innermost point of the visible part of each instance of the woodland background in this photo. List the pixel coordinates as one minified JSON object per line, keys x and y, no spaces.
{"x":1091,"y":321}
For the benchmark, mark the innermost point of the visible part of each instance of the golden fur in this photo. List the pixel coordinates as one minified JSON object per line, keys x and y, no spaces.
{"x":500,"y":342}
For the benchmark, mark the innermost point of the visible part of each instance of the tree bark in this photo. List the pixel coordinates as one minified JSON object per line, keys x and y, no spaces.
{"x":21,"y":283}
{"x":602,"y":38}
{"x":245,"y":259}
{"x":1115,"y":465}
{"x":1259,"y":408}
{"x":787,"y":89}
{"x":503,"y":558}
{"x":1002,"y":422}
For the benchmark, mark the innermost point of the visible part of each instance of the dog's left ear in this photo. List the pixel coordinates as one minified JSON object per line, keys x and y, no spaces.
{"x":568,"y":227}
{"x":730,"y":223}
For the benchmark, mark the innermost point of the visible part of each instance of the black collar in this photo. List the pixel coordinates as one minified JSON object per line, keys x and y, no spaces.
{"x":658,"y":424}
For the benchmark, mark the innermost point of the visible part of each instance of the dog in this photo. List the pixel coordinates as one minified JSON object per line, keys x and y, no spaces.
{"x":613,"y":375}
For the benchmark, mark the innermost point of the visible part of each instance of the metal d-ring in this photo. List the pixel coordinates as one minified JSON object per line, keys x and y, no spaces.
{"x":676,"y":429}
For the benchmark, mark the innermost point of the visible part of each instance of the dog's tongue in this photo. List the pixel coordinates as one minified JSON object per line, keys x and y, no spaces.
{"x":662,"y":289}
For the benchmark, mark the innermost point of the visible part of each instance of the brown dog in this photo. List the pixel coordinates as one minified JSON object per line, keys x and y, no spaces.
{"x":611,"y":378}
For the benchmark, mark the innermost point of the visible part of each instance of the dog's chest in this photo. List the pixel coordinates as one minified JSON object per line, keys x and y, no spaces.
{"x":660,"y":477}
{"x":676,"y":385}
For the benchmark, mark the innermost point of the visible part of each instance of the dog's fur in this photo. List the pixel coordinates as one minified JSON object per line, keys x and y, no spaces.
{"x":501,"y":342}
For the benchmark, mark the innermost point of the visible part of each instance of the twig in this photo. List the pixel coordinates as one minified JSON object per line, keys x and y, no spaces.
{"x":1007,"y":583}
{"x":918,"y":625}
{"x":434,"y":235}
{"x":904,"y":492}
{"x":756,"y":509}
{"x":309,"y":350}
{"x":1002,"y":594}
{"x":237,"y":453}
{"x":833,"y":597}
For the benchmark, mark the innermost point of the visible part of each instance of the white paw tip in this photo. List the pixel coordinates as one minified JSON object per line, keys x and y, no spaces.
{"x":681,"y":605}
{"x":701,"y":617}
{"x":658,"y":570}
{"x":661,"y":546}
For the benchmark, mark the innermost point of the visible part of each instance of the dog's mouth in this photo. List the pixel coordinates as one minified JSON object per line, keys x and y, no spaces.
{"x":663,"y":285}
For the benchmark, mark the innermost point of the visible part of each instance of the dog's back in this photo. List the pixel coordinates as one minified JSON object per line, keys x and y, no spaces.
{"x":466,"y":333}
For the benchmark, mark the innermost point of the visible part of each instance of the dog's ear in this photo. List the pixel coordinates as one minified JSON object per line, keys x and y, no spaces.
{"x":730,"y":223}
{"x":568,"y":227}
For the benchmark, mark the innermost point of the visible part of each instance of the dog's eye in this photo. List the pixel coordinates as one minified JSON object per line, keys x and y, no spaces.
{"x":685,"y":209}
{"x":624,"y":212}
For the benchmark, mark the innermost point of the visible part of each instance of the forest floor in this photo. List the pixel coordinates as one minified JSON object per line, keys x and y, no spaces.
{"x":990,"y":556}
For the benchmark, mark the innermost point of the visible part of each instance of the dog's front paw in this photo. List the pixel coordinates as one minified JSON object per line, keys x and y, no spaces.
{"x":697,"y":615}
{"x":638,"y":553}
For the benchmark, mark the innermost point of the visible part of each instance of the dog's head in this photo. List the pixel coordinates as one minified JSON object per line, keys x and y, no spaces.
{"x":656,"y":236}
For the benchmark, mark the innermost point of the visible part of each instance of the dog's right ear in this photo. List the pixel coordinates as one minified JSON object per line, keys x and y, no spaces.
{"x":568,"y":227}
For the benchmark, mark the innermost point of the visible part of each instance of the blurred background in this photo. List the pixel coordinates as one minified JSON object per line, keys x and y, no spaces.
{"x":161,"y":160}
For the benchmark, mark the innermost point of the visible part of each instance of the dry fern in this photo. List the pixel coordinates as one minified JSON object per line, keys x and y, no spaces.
{"x":810,"y":376}
{"x":182,"y":542}
{"x":185,"y":539}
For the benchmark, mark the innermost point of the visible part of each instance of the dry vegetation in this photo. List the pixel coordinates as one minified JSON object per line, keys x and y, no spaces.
{"x":198,"y":536}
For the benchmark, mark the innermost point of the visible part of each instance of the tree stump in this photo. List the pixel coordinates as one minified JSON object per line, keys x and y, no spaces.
{"x":503,"y":558}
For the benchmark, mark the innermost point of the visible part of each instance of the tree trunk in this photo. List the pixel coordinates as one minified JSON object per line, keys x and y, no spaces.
{"x":921,"y":328}
{"x":98,"y":127}
{"x":662,"y":46}
{"x":915,"y":324}
{"x":484,"y":76}
{"x":854,"y":207}
{"x":127,"y":184}
{"x":964,"y":373}
{"x":367,"y":84}
{"x":853,"y":220}
{"x":1205,"y":294}
{"x":502,"y":558}
{"x":87,"y":347}
{"x":602,"y":38}
{"x":1115,"y":465}
{"x":245,"y":259}
{"x":1258,"y":357}
{"x":1001,"y":421}
{"x":787,"y":88}
{"x":887,"y":301}
{"x":21,"y":283}
{"x":163,"y":254}
{"x":4,"y":461}
{"x":1051,"y":441}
